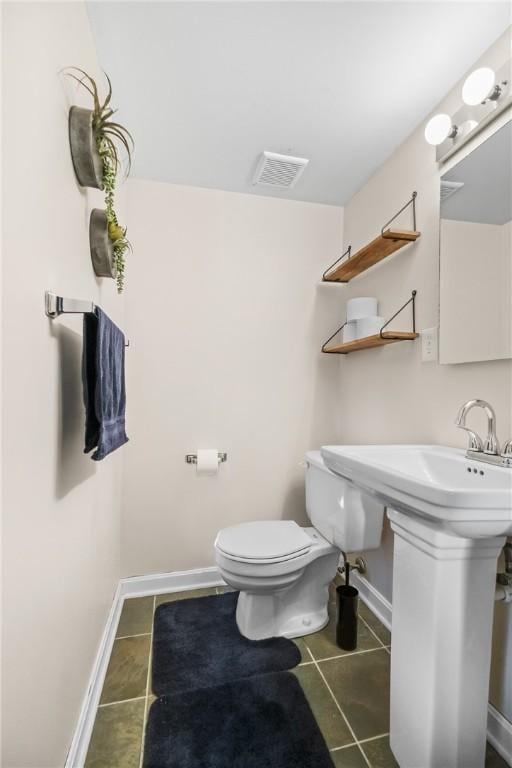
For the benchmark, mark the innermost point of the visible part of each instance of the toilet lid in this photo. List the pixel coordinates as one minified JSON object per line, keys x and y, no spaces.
{"x":266,"y":540}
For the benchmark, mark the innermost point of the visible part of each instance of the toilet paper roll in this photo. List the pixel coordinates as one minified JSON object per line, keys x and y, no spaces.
{"x":362,"y":306}
{"x":207,"y":461}
{"x":350,"y":332}
{"x":369,"y":326}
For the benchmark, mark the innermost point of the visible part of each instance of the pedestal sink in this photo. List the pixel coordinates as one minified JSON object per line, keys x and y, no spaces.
{"x":450,"y":516}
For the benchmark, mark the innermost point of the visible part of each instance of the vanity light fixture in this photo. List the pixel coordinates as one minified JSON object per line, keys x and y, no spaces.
{"x":480,"y":86}
{"x":439,"y":128}
{"x":466,"y":127}
{"x":486,"y":93}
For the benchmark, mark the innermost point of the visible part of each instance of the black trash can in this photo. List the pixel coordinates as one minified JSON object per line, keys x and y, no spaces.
{"x":346,"y":626}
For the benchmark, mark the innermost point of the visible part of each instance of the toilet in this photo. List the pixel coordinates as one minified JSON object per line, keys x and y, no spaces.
{"x":283,"y":571}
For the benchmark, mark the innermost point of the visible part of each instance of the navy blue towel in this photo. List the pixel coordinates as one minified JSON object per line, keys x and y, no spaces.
{"x":104,"y":387}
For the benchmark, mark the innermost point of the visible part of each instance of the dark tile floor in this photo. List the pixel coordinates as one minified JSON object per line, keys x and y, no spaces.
{"x":348,"y":692}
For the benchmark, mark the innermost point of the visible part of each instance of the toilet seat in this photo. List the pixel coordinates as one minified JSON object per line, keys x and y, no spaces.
{"x":269,"y":541}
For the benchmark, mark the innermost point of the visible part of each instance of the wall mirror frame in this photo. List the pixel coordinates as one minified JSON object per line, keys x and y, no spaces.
{"x":476,"y":254}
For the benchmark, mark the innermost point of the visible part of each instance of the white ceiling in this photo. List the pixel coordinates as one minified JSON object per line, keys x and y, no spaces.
{"x":206,"y":86}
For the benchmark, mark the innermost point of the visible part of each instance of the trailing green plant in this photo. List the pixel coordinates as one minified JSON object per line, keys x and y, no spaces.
{"x":109,"y":134}
{"x":117,"y":234}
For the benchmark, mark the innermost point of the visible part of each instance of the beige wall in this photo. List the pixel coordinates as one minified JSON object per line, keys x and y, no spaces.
{"x":61,"y":510}
{"x":225,"y":321}
{"x":388,"y":394}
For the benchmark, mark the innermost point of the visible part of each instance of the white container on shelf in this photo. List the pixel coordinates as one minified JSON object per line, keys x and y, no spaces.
{"x":369,"y":326}
{"x":350,"y":332}
{"x":362,"y":306}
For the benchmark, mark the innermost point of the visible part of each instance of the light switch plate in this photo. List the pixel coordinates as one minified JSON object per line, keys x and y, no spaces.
{"x":428,"y":345}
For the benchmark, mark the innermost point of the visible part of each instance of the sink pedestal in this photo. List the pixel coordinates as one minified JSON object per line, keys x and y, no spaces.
{"x":443,"y":601}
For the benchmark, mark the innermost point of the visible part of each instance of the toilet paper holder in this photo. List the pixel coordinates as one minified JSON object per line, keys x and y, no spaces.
{"x":191,"y":458}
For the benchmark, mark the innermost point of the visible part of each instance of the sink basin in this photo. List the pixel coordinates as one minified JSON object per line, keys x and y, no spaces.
{"x":466,"y":497}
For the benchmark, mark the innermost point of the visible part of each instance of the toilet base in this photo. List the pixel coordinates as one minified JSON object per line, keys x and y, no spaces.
{"x":297,"y":610}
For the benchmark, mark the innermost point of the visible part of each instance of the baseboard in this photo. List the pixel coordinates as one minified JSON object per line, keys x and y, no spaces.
{"x":375,"y":601}
{"x":499,"y":733}
{"x":178,"y":581}
{"x":78,"y":749}
{"x":135,"y":586}
{"x":499,"y":729}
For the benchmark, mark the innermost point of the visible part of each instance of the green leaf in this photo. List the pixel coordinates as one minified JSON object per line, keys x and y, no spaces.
{"x":109,"y":94}
{"x":112,"y":132}
{"x":122,"y":129}
{"x":80,"y":82}
{"x":93,"y":86}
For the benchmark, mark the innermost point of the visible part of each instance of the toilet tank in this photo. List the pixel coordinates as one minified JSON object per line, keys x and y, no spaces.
{"x":346,"y":516}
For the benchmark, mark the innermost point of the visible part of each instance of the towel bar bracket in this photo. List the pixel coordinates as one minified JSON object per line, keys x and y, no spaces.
{"x":58,"y":305}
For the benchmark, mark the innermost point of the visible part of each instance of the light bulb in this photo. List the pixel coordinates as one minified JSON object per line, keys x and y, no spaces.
{"x":478,"y":85}
{"x":438,"y":129}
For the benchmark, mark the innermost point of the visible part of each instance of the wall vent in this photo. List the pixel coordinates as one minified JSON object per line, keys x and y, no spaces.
{"x":275,"y":170}
{"x":449,"y":188}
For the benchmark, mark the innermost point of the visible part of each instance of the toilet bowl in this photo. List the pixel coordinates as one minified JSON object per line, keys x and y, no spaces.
{"x":283,"y":571}
{"x":283,"y":574}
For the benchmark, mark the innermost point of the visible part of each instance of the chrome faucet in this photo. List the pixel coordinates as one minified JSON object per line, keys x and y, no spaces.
{"x":491,"y":445}
{"x":489,"y":450}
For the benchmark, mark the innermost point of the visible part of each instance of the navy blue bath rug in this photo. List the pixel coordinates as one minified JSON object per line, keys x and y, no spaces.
{"x":261,"y":722}
{"x":196,"y":644}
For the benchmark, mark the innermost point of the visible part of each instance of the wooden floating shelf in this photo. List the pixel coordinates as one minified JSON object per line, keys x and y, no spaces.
{"x":368,"y":342}
{"x":384,"y":245}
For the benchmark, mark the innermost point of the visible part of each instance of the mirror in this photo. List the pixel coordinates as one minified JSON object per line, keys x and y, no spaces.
{"x":476,"y":254}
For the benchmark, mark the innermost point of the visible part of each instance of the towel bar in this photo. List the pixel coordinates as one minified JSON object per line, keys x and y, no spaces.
{"x":59,"y":305}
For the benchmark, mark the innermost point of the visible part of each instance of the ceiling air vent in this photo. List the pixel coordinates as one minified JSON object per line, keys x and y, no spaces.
{"x":449,"y":188}
{"x":279,"y":170}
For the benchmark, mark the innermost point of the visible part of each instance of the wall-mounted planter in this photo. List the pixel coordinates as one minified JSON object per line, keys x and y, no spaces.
{"x":87,"y":162}
{"x":101,"y":246}
{"x":92,"y":131}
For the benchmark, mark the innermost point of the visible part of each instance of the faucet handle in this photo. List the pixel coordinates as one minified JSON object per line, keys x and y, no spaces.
{"x":475,"y":441}
{"x":491,"y":444}
{"x":507,"y":449}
